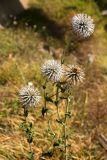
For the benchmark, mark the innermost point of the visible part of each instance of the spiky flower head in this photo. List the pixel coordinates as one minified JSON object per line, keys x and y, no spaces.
{"x":52,"y":70}
{"x":29,"y":96}
{"x":74,"y":74}
{"x":83,"y":25}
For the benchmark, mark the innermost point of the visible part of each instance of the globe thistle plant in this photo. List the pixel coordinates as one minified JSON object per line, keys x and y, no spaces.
{"x":52,"y":70}
{"x":29,"y":96}
{"x":83,"y":25}
{"x":74,"y":74}
{"x":64,"y":79}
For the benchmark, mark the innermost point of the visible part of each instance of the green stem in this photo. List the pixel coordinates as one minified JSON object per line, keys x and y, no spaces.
{"x":25,"y":113}
{"x":54,"y":94}
{"x":65,"y":131}
{"x":50,"y":128}
{"x":31,"y":152}
{"x":45,"y":98}
{"x":25,"y":116}
{"x":30,"y":147}
{"x":45,"y":102}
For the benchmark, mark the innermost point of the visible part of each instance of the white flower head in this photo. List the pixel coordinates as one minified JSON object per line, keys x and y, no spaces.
{"x":74,"y":74}
{"x":83,"y":25}
{"x":29,"y":96}
{"x":52,"y":70}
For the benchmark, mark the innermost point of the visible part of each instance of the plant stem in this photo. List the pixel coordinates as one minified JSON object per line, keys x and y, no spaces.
{"x":45,"y":102}
{"x":32,"y":153}
{"x":65,"y":131}
{"x":25,"y":113}
{"x":50,"y":128}
{"x":54,"y":94}
{"x":25,"y":116}
{"x":44,"y":87}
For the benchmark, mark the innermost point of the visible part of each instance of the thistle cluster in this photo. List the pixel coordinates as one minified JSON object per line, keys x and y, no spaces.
{"x":62,"y":77}
{"x":56,"y":72}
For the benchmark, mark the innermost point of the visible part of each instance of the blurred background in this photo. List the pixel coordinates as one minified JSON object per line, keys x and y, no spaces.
{"x":30,"y":32}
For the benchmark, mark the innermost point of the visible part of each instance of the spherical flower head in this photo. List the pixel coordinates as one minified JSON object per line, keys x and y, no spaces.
{"x":29,"y":96}
{"x":52,"y":70}
{"x":83,"y":25}
{"x":74,"y":74}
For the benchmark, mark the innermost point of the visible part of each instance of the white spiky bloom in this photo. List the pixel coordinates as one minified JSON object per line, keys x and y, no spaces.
{"x":29,"y":96}
{"x":74,"y":74}
{"x":83,"y":25}
{"x":52,"y":70}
